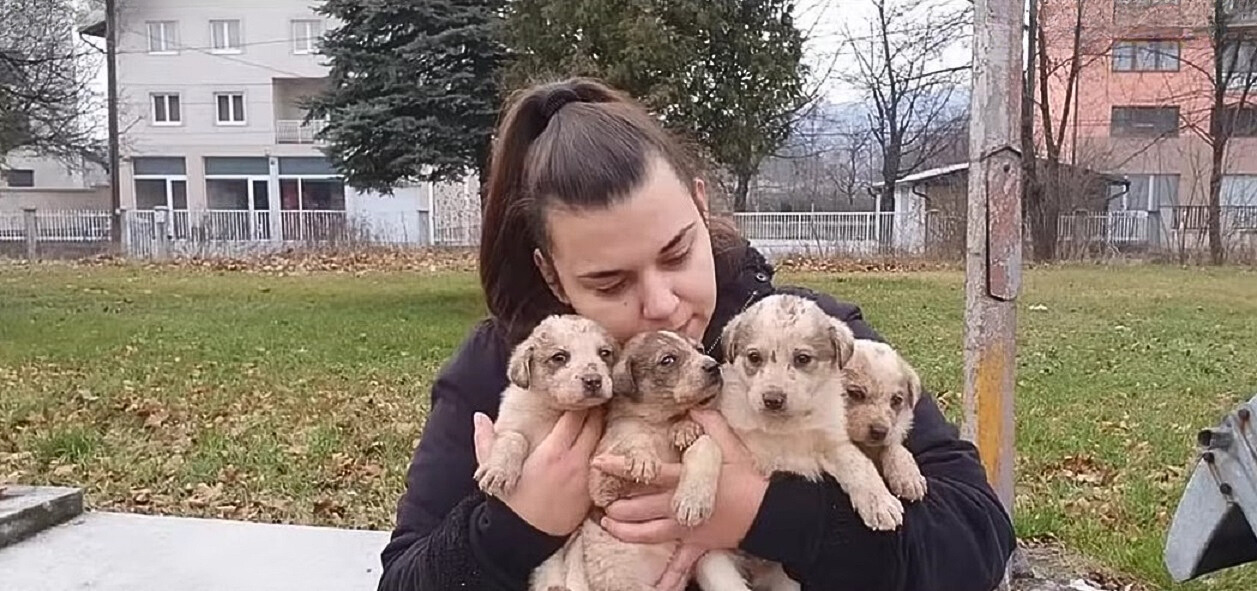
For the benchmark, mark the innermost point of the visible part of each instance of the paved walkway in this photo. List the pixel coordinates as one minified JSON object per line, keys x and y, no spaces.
{"x":120,"y":551}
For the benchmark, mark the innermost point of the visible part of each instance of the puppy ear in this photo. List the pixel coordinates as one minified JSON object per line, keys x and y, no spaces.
{"x":729,"y":338}
{"x":519,"y":369}
{"x":622,"y":381}
{"x":914,"y":383}
{"x":843,"y":340}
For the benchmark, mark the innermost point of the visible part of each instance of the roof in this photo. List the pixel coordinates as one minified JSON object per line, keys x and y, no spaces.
{"x":941,"y":171}
{"x":931,"y":173}
{"x":95,"y":24}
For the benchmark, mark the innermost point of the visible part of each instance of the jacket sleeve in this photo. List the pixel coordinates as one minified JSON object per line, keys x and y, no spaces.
{"x":448,"y":534}
{"x":958,"y":538}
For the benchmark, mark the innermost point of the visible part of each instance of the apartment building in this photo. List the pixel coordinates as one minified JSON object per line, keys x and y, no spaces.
{"x":1143,"y":96}
{"x":210,"y":119}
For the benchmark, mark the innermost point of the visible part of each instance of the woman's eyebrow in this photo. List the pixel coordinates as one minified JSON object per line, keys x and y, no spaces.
{"x":604,"y":274}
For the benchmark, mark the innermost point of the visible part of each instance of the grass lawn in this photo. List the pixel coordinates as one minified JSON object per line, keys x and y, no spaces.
{"x":299,"y":398}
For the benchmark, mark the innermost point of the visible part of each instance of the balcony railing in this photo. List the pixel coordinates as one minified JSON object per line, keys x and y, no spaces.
{"x":295,"y":131}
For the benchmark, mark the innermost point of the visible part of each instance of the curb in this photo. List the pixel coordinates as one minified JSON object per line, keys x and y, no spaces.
{"x":28,"y":510}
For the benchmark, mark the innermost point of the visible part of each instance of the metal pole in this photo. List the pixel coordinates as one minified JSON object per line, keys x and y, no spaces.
{"x":993,"y":253}
{"x":111,"y":67}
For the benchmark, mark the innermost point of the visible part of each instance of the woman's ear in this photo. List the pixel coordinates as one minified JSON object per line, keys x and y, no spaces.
{"x":700,"y":198}
{"x":552,"y":278}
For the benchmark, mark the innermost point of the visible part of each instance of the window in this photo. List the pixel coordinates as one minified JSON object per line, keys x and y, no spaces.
{"x":1147,"y":192}
{"x":230,"y":109}
{"x":1144,"y":122}
{"x":152,"y":192}
{"x":19,"y":177}
{"x":305,"y":36}
{"x":1242,"y":121}
{"x":162,"y":37}
{"x":166,"y":110}
{"x":1146,"y":56}
{"x":225,"y":36}
{"x":312,"y":194}
{"x":1239,"y":61}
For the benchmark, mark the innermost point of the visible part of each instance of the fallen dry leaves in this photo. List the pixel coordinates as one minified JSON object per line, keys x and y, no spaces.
{"x":308,"y":261}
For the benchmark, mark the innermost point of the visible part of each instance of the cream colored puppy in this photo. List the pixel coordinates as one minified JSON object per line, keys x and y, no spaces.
{"x":660,"y":376}
{"x":564,"y":364}
{"x":882,"y":391}
{"x":783,"y":396}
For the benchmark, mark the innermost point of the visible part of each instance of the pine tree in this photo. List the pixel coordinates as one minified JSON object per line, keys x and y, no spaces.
{"x":414,"y":91}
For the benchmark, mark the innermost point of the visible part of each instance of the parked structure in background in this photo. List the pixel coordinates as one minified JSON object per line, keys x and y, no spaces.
{"x":214,"y":131}
{"x":1145,"y":97}
{"x":28,"y":179}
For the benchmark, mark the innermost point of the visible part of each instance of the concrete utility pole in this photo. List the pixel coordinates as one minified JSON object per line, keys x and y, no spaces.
{"x":111,"y":67}
{"x":993,"y":253}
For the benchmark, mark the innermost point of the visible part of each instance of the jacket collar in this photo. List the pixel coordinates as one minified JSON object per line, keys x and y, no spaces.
{"x":736,"y":288}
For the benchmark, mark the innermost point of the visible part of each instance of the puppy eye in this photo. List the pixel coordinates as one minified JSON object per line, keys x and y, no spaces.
{"x":896,"y":401}
{"x":754,"y":357}
{"x":604,"y":353}
{"x":855,"y":393}
{"x":559,"y":357}
{"x":801,"y":359}
{"x":667,"y":360}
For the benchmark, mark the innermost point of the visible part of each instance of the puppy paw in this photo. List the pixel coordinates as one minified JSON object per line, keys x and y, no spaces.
{"x":693,"y":503}
{"x":496,"y":481}
{"x":604,"y":489}
{"x":642,"y":466}
{"x":685,"y":432}
{"x":903,"y":476}
{"x":880,"y":510}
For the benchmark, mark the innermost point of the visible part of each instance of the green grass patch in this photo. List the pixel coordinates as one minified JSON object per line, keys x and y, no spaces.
{"x":299,"y":398}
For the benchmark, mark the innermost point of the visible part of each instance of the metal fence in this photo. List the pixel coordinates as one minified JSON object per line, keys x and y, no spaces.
{"x":208,"y":233}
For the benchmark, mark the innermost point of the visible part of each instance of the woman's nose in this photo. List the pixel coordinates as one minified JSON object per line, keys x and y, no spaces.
{"x":658,"y":300}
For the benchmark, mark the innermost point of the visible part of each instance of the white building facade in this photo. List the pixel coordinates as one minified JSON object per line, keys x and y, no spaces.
{"x":211,"y":125}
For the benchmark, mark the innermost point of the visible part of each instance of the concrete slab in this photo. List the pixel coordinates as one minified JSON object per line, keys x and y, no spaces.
{"x":119,"y":551}
{"x":27,"y":510}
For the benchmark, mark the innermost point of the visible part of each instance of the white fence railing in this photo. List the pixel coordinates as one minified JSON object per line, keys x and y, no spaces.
{"x":296,"y":131}
{"x":157,"y":234}
{"x":1114,"y":227}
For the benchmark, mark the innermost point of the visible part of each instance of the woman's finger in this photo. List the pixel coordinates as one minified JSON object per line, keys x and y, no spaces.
{"x":643,"y":508}
{"x":483,"y":437}
{"x":677,"y":574}
{"x":590,"y":433}
{"x":717,"y":427}
{"x":649,"y":532}
{"x":565,"y":431}
{"x":617,"y":465}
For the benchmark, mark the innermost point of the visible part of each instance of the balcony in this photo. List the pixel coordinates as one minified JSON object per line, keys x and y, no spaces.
{"x":1241,"y":13}
{"x":290,"y":95}
{"x":296,"y":131}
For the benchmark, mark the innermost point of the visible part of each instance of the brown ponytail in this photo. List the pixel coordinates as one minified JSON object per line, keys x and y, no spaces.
{"x":578,"y":143}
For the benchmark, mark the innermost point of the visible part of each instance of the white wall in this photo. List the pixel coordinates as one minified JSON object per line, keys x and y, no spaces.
{"x":402,"y":217}
{"x":51,"y":173}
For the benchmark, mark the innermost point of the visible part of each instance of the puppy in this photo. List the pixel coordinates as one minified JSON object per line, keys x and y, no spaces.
{"x":783,"y":396}
{"x":660,"y":376}
{"x":882,"y":390}
{"x":564,"y":364}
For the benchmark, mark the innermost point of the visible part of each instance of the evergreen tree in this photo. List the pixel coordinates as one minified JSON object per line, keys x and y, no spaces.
{"x":413,"y":91}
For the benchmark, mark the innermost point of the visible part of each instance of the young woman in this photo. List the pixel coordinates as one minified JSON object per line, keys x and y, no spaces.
{"x":593,"y":208}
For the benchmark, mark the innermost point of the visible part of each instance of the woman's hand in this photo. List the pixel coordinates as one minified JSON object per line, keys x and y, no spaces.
{"x":647,"y":517}
{"x":551,"y":494}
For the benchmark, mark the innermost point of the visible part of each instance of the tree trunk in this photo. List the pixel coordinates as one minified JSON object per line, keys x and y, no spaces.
{"x":1217,"y":255}
{"x":741,"y":190}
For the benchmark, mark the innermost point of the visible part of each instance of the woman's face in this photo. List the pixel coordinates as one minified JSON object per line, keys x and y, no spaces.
{"x":642,"y":264}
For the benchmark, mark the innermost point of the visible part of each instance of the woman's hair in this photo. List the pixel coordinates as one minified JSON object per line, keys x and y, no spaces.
{"x":575,"y":143}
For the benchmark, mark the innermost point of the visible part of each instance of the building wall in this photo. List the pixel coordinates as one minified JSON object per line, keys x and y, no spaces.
{"x":1087,"y":139}
{"x":50,"y":173}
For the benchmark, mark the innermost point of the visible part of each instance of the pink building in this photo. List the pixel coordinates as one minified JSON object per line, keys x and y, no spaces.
{"x":1143,"y":95}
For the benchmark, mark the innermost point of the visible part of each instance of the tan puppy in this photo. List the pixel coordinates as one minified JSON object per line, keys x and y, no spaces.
{"x":783,"y":396}
{"x":659,"y":378}
{"x":564,"y":364}
{"x":882,"y":389}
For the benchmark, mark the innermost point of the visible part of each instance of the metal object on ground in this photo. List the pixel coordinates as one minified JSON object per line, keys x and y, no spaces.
{"x":1212,"y":528}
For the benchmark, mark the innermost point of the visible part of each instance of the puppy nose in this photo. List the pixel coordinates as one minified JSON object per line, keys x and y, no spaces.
{"x":878,"y":433}
{"x":774,"y":400}
{"x":711,"y":366}
{"x":593,"y":383}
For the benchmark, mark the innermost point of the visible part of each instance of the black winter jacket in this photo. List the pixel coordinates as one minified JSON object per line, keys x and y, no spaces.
{"x":450,"y":536}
